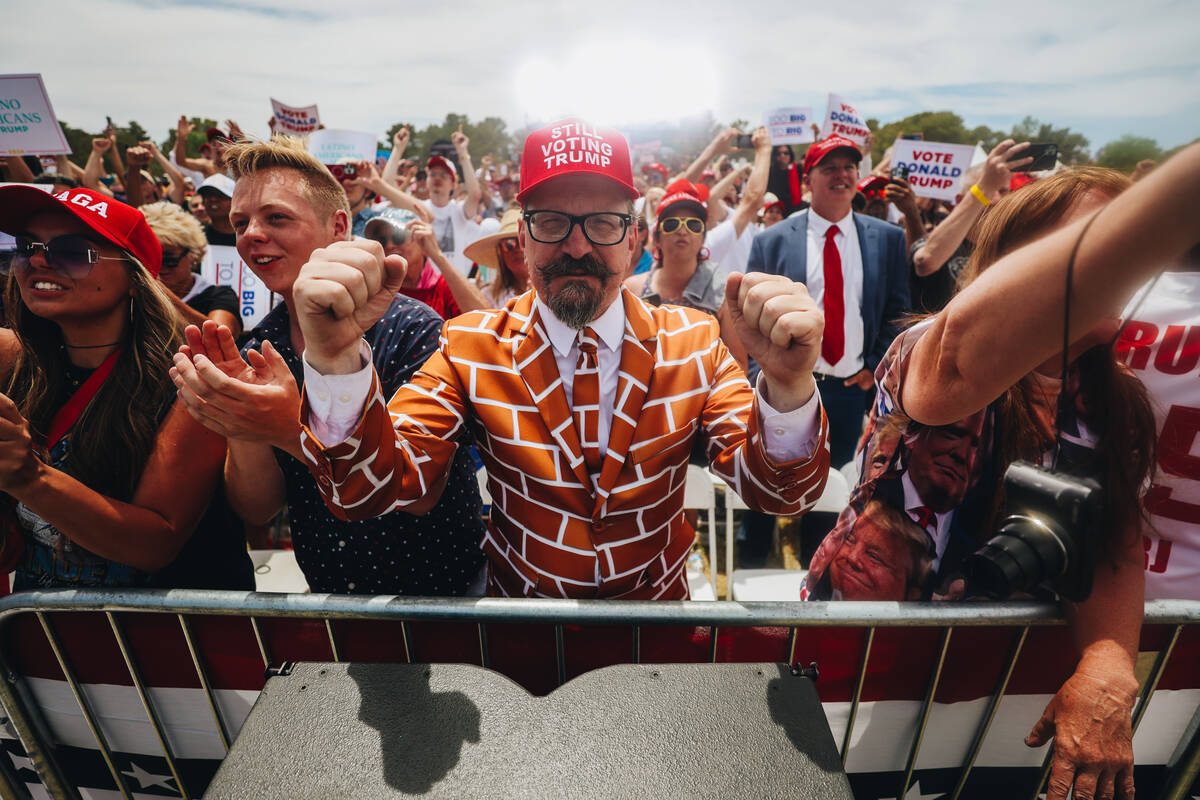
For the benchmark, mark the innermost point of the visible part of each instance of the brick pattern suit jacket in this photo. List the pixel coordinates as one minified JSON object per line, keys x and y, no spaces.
{"x":551,"y":532}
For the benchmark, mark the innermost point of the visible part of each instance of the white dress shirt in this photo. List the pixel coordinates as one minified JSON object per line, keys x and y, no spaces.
{"x":941,"y":535}
{"x":852,"y":287}
{"x":336,"y":402}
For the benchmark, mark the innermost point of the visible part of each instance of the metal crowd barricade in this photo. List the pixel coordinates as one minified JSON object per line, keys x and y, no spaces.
{"x":915,"y":693}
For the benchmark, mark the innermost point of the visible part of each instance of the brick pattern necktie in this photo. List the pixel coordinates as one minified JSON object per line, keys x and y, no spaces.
{"x":586,"y":401}
{"x":833,"y":344}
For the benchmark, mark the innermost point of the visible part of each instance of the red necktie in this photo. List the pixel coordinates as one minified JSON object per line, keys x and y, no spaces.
{"x":586,"y":401}
{"x":924,"y":516}
{"x":833,"y":345}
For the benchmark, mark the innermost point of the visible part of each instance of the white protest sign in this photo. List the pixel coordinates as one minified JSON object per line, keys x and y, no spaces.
{"x":934,"y":169}
{"x":843,"y":119}
{"x":7,"y":242}
{"x":338,"y":146}
{"x":27,"y":122}
{"x":644,"y":152}
{"x":223,"y":266}
{"x":790,"y":125}
{"x":296,"y":120}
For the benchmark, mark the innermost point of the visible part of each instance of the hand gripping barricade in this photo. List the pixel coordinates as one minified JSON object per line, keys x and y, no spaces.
{"x":140,"y":694}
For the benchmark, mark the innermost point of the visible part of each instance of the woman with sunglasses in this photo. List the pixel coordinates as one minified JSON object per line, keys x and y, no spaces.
{"x":682,"y":274}
{"x":194,"y":297}
{"x":106,"y":477}
{"x":502,"y":252}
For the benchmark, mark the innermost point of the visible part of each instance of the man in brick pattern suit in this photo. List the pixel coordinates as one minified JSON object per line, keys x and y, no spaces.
{"x":586,"y":454}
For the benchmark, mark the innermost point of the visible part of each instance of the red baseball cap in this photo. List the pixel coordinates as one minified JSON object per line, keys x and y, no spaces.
{"x":215,"y":133}
{"x":573,"y":147}
{"x":872,"y":184}
{"x":816,"y":152}
{"x":684,"y":193}
{"x":708,"y":173}
{"x":656,"y":167}
{"x":120,"y":224}
{"x":444,"y":163}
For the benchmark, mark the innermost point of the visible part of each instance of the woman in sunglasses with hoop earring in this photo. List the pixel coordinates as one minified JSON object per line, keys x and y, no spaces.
{"x":104,"y":478}
{"x":682,"y":273}
{"x":502,"y":252}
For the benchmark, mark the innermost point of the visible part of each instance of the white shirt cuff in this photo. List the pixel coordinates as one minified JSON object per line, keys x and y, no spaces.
{"x":336,"y":402}
{"x":789,"y":436}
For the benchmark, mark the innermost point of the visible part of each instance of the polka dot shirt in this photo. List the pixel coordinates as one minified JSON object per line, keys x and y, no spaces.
{"x":432,"y":554}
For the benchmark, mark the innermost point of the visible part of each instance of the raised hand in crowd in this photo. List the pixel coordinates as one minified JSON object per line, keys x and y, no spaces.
{"x":339,"y":294}
{"x":366,"y":175}
{"x":992,"y":183}
{"x":470,"y":182}
{"x":177,"y":191}
{"x":901,"y":194}
{"x":722,"y":144}
{"x":400,"y":140}
{"x":235,"y":130}
{"x":780,"y":327}
{"x":249,"y":400}
{"x":136,"y":193}
{"x":94,"y":169}
{"x":466,"y":293}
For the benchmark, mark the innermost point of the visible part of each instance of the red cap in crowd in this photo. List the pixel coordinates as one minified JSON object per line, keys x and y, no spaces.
{"x":214,"y":133}
{"x":654,"y":166}
{"x":574,"y":147}
{"x":443,"y":163}
{"x":816,"y":152}
{"x":116,"y":222}
{"x":681,"y":194}
{"x":872,"y":185}
{"x":707,"y":174}
{"x":1020,"y":179}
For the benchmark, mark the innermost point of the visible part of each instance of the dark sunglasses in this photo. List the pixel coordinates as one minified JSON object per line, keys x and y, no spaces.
{"x":72,"y":254}
{"x":672,"y":224}
{"x":170,"y":262}
{"x":397,"y":237}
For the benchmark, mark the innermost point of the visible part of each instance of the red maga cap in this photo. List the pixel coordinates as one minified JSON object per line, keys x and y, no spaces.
{"x":873,"y":184}
{"x":116,"y":222}
{"x":816,"y":152}
{"x":654,"y":166}
{"x":682,"y":192}
{"x":574,"y":147}
{"x":443,"y":163}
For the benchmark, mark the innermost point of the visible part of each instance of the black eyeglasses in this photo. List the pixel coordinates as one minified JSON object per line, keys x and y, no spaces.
{"x":672,"y":224}
{"x":171,"y":262}
{"x":72,"y":254}
{"x":603,"y":228}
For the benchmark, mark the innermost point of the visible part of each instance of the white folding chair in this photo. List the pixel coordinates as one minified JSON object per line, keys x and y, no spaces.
{"x":775,"y":584}
{"x":698,"y":493}
{"x":277,"y":571}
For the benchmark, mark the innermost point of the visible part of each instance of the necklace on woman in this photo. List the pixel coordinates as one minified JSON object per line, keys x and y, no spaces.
{"x":89,"y":346}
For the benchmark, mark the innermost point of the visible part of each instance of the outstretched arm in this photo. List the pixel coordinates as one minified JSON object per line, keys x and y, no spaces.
{"x":956,"y":368}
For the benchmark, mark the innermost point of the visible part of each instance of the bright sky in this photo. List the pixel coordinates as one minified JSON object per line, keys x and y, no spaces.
{"x":1101,"y":67}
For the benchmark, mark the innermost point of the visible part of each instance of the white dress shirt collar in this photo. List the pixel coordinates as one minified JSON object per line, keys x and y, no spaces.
{"x":609,"y":326}
{"x":820,"y":224}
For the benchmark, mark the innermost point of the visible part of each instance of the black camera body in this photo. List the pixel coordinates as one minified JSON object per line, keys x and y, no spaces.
{"x":899,"y":171}
{"x":1045,"y":537}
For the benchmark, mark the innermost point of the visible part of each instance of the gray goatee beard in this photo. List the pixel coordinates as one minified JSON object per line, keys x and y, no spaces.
{"x":577,"y":303}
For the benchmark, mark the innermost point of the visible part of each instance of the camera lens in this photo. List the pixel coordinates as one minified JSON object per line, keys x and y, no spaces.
{"x":1026,"y":552}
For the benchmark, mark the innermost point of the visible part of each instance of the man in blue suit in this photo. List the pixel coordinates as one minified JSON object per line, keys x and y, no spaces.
{"x":856,"y":269}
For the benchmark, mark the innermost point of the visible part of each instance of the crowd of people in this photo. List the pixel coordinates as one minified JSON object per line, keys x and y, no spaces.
{"x":584,"y":330}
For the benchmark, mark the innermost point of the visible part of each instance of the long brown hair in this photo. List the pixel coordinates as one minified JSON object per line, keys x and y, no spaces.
{"x":115,"y":435}
{"x":1116,"y":408}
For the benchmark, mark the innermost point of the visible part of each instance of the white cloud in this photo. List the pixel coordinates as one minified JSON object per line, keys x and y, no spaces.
{"x":375,"y":62}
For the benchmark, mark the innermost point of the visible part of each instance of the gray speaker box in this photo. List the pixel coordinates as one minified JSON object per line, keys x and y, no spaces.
{"x":458,"y":731}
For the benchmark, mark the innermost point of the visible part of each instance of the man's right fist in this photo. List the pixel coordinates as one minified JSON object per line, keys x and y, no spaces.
{"x":341,"y":292}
